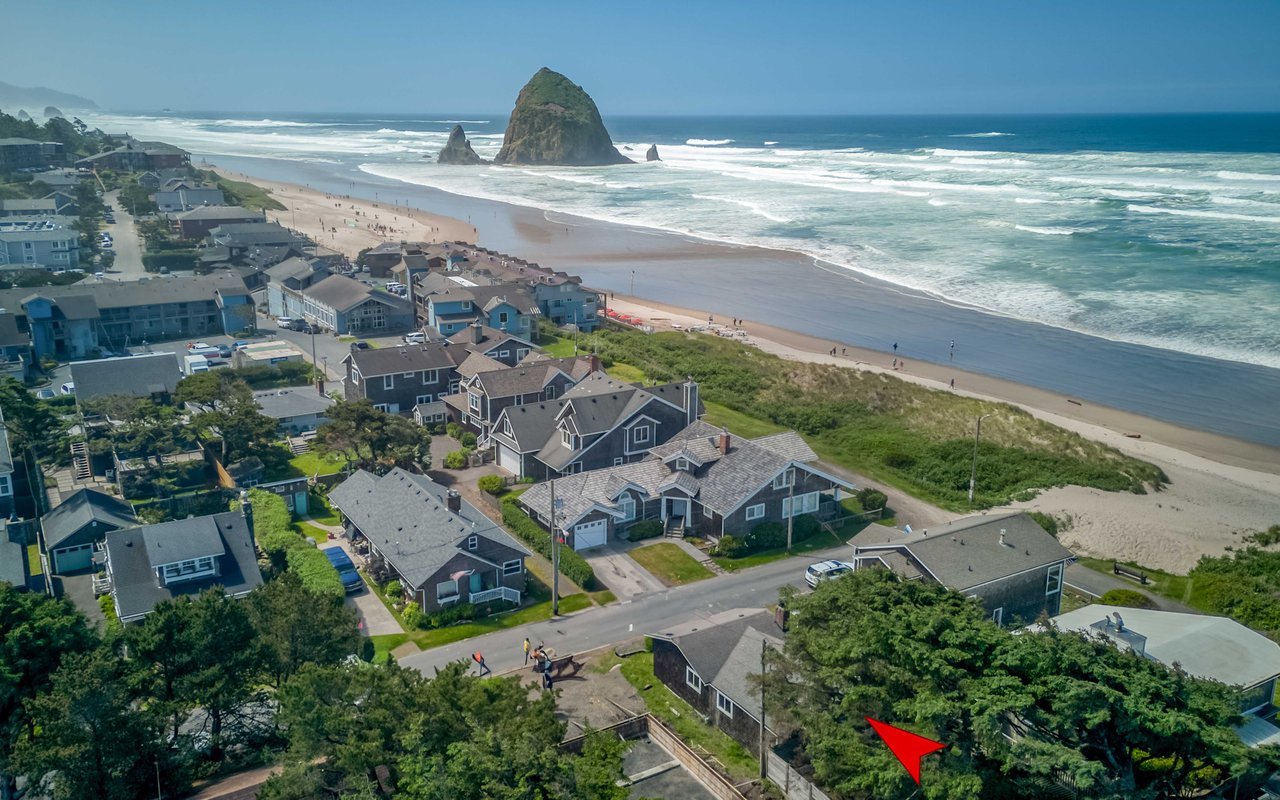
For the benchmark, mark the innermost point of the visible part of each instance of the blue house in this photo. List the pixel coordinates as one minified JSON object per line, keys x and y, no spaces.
{"x":506,"y":308}
{"x":565,"y":301}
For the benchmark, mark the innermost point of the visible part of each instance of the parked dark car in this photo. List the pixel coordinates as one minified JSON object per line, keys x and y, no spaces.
{"x":351,"y":580}
{"x":360,"y":345}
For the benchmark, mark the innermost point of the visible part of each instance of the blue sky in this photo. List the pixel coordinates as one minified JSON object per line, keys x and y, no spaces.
{"x":691,"y":57}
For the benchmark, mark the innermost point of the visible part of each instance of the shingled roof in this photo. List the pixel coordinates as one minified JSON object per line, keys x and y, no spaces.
{"x":725,"y":650}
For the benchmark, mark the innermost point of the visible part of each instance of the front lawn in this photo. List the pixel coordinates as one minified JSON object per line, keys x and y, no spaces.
{"x":312,"y":463}
{"x":683,"y":719}
{"x":34,"y":567}
{"x":739,"y":424}
{"x":319,"y":510}
{"x":819,"y":541}
{"x":669,"y":563}
{"x":626,"y":373}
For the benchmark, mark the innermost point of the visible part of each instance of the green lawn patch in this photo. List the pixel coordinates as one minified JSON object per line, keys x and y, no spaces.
{"x":574,"y":602}
{"x":562,"y":348}
{"x":243,"y":193}
{"x":739,"y":424}
{"x":604,"y":598}
{"x":319,"y":534}
{"x":34,"y":567}
{"x":626,"y":373}
{"x":320,"y":511}
{"x":312,"y":463}
{"x":669,"y":563}
{"x":683,"y":719}
{"x":1165,"y":584}
{"x":384,"y":644}
{"x":819,"y":541}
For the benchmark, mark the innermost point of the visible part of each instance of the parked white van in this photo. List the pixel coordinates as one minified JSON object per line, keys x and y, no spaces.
{"x":193,"y":364}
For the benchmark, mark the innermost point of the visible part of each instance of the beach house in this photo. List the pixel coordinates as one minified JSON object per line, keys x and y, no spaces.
{"x":703,"y":480}
{"x":482,"y":396}
{"x":600,"y":422}
{"x":295,"y":410}
{"x":49,"y":242}
{"x":153,"y":376}
{"x":708,"y":662}
{"x":346,"y":306}
{"x":150,"y":564}
{"x":1011,"y":565}
{"x":506,"y":307}
{"x":70,"y":530}
{"x":440,"y":547}
{"x":197,"y":222}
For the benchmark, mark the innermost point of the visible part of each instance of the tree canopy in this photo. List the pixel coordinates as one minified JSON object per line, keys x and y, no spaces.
{"x":365,"y":435}
{"x":1018,"y":712}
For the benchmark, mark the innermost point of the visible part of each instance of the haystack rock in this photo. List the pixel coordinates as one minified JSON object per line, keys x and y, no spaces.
{"x":652,"y":155}
{"x":51,"y":111}
{"x":555,"y":122}
{"x":458,"y":150}
{"x":22,"y":114}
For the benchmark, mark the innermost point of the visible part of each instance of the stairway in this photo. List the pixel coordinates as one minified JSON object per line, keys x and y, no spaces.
{"x":300,"y":444}
{"x":80,"y":461}
{"x":675,"y":528}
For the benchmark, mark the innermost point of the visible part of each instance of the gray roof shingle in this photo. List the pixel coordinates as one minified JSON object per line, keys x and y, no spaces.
{"x":343,"y":294}
{"x":406,"y":518}
{"x":405,"y":358}
{"x":286,"y":403}
{"x":85,"y":507}
{"x":725,"y":651}
{"x":135,"y":376}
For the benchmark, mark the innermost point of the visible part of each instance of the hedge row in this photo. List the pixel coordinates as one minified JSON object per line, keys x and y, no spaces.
{"x":574,"y":567}
{"x":288,"y":549}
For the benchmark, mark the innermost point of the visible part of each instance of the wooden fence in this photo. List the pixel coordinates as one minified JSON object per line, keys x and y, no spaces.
{"x":794,"y":786}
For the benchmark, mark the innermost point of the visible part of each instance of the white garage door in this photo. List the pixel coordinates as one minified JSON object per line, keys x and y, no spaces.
{"x":72,"y":559}
{"x":590,"y":534}
{"x":508,"y":459}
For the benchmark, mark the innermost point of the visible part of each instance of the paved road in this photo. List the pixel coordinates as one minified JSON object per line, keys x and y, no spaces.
{"x":587,"y":630}
{"x":126,"y":244}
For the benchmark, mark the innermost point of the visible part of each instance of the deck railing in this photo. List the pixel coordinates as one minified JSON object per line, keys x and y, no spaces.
{"x":500,"y":592}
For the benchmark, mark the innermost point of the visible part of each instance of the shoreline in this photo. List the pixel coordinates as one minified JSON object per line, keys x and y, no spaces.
{"x":1219,"y":487}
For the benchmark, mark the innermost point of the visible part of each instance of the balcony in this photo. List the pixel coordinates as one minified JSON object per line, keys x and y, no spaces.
{"x":498,"y":593}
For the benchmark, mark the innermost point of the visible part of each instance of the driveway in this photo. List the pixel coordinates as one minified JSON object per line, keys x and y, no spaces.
{"x":375,"y":619}
{"x":620,"y":572}
{"x":125,"y":242}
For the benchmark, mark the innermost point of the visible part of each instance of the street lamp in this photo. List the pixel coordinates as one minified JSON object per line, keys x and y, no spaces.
{"x":973,"y":471}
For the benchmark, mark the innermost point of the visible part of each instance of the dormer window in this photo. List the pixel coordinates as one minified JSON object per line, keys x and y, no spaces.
{"x":188,"y":570}
{"x":785,"y":479}
{"x":473,"y":400}
{"x":640,"y":434}
{"x":473,"y":542}
{"x":682,"y":465}
{"x":506,"y":427}
{"x":568,"y":439}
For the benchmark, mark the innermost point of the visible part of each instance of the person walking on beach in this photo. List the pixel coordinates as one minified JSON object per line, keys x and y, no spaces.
{"x":526,"y":639}
{"x":844,"y":351}
{"x":953,"y":383}
{"x":478,"y":657}
{"x":895,"y":348}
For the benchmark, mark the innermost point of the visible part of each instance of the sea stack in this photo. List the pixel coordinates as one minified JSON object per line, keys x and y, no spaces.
{"x":652,"y":154}
{"x":51,"y":111}
{"x":555,"y":122}
{"x":458,"y":150}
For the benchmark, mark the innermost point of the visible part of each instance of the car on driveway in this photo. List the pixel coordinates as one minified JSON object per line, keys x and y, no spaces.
{"x":46,"y":394}
{"x":69,"y":387}
{"x":825,"y":571}
{"x":351,"y":580}
{"x":360,"y":345}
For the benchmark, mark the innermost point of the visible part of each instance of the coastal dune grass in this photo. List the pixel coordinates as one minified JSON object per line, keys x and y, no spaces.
{"x":917,"y":439}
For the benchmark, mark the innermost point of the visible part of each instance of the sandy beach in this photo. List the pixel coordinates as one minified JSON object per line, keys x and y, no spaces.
{"x":351,"y":224}
{"x":1220,"y":487}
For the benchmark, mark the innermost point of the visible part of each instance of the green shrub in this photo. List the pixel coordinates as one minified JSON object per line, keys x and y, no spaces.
{"x":467,"y":440}
{"x":455,"y":460}
{"x":574,"y":567}
{"x":765,"y":536}
{"x":730,"y":547}
{"x":805,"y":527}
{"x":287,"y":549}
{"x":108,"y":607}
{"x":1128,"y":598}
{"x":872,"y":499}
{"x":394,"y":590}
{"x":413,"y":617}
{"x":493,"y":484}
{"x":1045,"y":521}
{"x":170,"y":259}
{"x":454,"y":430}
{"x":645,"y":529}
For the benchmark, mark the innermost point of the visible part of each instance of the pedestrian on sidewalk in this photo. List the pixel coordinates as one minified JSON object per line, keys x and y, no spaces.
{"x":478,"y":657}
{"x":526,"y":650}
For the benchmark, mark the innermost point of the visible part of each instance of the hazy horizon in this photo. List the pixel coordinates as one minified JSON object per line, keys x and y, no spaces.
{"x":713,"y":58}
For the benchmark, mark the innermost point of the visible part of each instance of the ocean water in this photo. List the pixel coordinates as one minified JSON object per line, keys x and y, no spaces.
{"x":1154,"y":230}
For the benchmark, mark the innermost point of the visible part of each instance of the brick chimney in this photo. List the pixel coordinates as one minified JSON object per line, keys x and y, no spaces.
{"x":724,"y":441}
{"x":477,"y":332}
{"x":453,"y":501}
{"x":594,"y":360}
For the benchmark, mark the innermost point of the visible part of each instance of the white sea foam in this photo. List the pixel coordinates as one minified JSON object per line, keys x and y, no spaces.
{"x":1247,"y":176}
{"x":1021,"y":162}
{"x":1188,"y":212}
{"x":707,"y":142}
{"x":943,"y":152}
{"x":770,"y":143}
{"x":752,"y":207}
{"x":938,"y":201}
{"x":987,"y":135}
{"x":1050,"y":230}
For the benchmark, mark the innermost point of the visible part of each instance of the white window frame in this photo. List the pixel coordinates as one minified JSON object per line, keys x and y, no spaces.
{"x":1053,"y":580}
{"x":430,"y":375}
{"x":519,"y":401}
{"x":627,"y":505}
{"x":6,"y":486}
{"x":388,"y":382}
{"x":506,"y":426}
{"x":692,"y":679}
{"x":755,"y":512}
{"x":724,"y":704}
{"x":445,"y":584}
{"x":424,"y":398}
{"x":504,"y":317}
{"x":785,"y":478}
{"x":568,"y":439}
{"x":510,"y":568}
{"x":473,"y":542}
{"x":382,"y":407}
{"x":549,"y":393}
{"x":682,"y":464}
{"x":521,"y":352}
{"x":619,"y":461}
{"x":807,"y":505}
{"x":473,"y":401}
{"x":636,"y":438}
{"x":997,"y":616}
{"x":504,"y":353}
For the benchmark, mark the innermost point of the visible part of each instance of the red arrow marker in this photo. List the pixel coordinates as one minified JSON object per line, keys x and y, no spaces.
{"x":906,"y":746}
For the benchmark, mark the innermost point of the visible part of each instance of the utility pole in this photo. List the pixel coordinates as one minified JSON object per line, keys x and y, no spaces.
{"x":555,"y":555}
{"x":791,"y":505}
{"x":314,"y":362}
{"x":633,"y":284}
{"x":764,"y":647}
{"x":973,"y":471}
